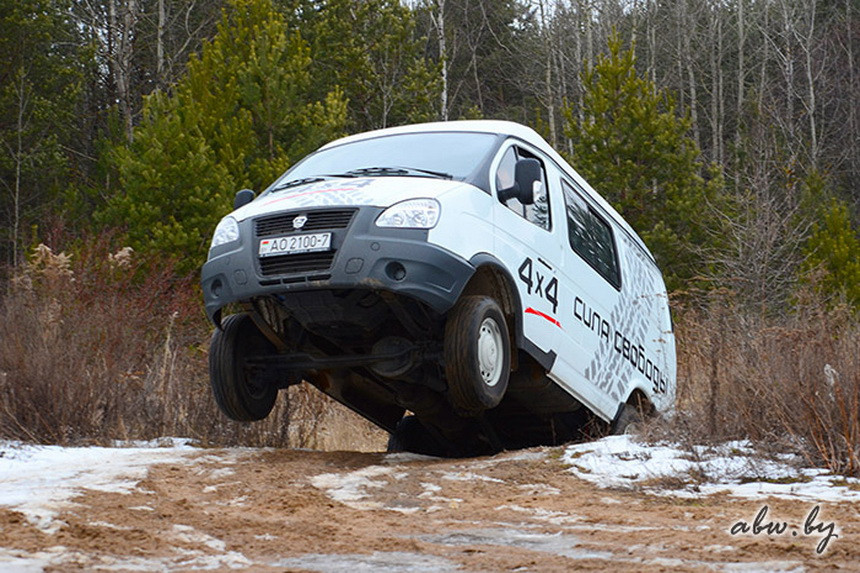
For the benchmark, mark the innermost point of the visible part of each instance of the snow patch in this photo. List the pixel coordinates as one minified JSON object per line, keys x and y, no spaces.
{"x":40,"y":481}
{"x":351,"y":488}
{"x":469,"y":476}
{"x":732,"y":468}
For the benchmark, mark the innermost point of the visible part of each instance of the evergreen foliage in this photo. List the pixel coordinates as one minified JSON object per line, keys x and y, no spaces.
{"x":371,"y":50}
{"x":40,"y":76}
{"x":238,"y":118}
{"x":634,"y":149}
{"x":832,"y":261}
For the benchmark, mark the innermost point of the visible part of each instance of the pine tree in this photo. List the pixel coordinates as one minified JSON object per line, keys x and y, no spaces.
{"x":634,"y":149}
{"x":240,"y":116}
{"x":832,"y":252}
{"x":370,"y":50}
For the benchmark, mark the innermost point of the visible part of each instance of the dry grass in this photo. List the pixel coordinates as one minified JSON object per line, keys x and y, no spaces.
{"x":95,"y":347}
{"x":320,"y":423}
{"x":784,"y":382}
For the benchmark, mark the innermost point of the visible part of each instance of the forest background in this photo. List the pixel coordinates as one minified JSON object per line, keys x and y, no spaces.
{"x":726,"y":132}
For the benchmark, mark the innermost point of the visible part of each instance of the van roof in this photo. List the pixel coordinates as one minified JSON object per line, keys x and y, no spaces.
{"x":510,"y":129}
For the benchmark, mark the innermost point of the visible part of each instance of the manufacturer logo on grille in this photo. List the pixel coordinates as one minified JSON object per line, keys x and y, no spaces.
{"x":299,"y":222}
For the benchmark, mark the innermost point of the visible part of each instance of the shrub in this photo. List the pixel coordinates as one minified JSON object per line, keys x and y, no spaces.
{"x":785,"y":382}
{"x":96,"y":346}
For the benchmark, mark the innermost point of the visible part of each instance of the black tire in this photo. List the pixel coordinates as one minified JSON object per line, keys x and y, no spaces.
{"x":237,"y":393}
{"x":629,"y":421}
{"x":410,"y":435}
{"x":477,"y":353}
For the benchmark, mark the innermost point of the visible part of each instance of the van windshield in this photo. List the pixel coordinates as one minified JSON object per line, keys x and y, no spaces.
{"x":447,"y":155}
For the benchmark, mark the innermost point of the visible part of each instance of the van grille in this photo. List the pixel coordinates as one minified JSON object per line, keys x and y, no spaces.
{"x":317,"y":221}
{"x":300,"y":263}
{"x":281,"y":225}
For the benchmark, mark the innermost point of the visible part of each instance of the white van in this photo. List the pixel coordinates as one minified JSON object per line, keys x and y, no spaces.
{"x":459,"y":271}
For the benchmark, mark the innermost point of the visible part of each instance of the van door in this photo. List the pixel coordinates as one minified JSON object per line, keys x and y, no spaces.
{"x":525,"y":243}
{"x":587,"y":364}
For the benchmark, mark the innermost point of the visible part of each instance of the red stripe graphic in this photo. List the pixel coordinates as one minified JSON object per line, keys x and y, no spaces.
{"x":530,"y":310}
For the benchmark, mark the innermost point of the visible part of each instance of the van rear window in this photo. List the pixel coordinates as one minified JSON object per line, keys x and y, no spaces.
{"x":591,"y":236}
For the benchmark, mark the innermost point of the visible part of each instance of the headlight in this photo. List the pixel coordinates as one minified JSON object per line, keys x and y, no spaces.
{"x":411,"y":214}
{"x":227,"y":231}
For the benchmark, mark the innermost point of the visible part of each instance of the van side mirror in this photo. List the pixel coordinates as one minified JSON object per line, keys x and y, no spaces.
{"x":243,"y":197}
{"x":526,"y":173}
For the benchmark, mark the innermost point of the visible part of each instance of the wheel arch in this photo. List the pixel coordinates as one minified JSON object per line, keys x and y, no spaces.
{"x":492,"y":279}
{"x":638,"y":398}
{"x":638,"y":402}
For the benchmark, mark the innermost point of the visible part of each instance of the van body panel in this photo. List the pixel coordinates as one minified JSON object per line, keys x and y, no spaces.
{"x":466,"y":225}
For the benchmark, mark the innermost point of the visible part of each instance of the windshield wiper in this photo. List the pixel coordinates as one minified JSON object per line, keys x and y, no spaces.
{"x":365,"y":172}
{"x":307,"y":180}
{"x":395,"y":171}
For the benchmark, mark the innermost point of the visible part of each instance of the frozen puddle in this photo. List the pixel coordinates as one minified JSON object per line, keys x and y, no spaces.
{"x":565,"y":545}
{"x":557,"y":544}
{"x":393,"y":562}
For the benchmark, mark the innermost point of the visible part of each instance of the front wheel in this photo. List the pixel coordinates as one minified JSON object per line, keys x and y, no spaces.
{"x":238,"y":393}
{"x":477,"y":354}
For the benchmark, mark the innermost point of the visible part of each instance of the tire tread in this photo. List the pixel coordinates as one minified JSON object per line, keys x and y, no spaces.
{"x":465,"y":392}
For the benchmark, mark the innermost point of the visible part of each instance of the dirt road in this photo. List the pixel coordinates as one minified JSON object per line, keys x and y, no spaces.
{"x":288,"y":510}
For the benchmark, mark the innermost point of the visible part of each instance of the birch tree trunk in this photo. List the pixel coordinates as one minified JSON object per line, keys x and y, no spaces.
{"x":159,"y":46}
{"x":549,"y":94}
{"x":438,"y":20}
{"x":806,"y":45}
{"x":764,"y":59}
{"x":689,"y":25}
{"x":19,"y":160}
{"x":122,"y":22}
{"x":853,"y":102}
{"x":741,"y":72}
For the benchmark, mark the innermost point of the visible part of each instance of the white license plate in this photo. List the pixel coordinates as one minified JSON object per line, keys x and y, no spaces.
{"x":295,"y":244}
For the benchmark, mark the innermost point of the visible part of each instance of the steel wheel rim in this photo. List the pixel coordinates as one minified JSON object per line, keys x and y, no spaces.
{"x":490,"y":352}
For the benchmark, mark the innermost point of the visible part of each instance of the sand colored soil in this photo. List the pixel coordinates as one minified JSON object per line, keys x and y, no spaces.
{"x":289,"y":510}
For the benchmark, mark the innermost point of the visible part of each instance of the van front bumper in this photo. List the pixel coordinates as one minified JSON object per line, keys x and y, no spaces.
{"x":363,"y":256}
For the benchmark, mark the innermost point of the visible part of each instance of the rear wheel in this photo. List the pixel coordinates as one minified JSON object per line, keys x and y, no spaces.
{"x":629,"y":421}
{"x":477,"y":354}
{"x":411,"y":435}
{"x":239,"y":394}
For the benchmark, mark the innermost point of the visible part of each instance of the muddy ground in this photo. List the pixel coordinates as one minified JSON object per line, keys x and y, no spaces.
{"x":289,"y":510}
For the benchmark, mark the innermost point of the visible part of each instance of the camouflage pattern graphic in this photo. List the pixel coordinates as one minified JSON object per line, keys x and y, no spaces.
{"x":623,"y":353}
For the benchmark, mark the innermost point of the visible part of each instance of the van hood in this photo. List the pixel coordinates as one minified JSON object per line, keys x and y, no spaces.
{"x":347,"y":192}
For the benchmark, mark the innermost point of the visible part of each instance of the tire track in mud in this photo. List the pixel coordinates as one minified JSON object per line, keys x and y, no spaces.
{"x":276,"y":510}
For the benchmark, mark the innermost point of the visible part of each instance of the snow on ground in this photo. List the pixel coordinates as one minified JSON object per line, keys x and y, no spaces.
{"x":733,"y":468}
{"x":39,"y":481}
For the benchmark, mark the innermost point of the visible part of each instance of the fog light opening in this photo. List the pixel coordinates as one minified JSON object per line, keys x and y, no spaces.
{"x":395,"y":271}
{"x":216,"y":288}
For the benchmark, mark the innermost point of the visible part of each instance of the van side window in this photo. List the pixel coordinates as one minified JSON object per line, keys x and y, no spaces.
{"x":591,"y":236}
{"x":537,"y":212}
